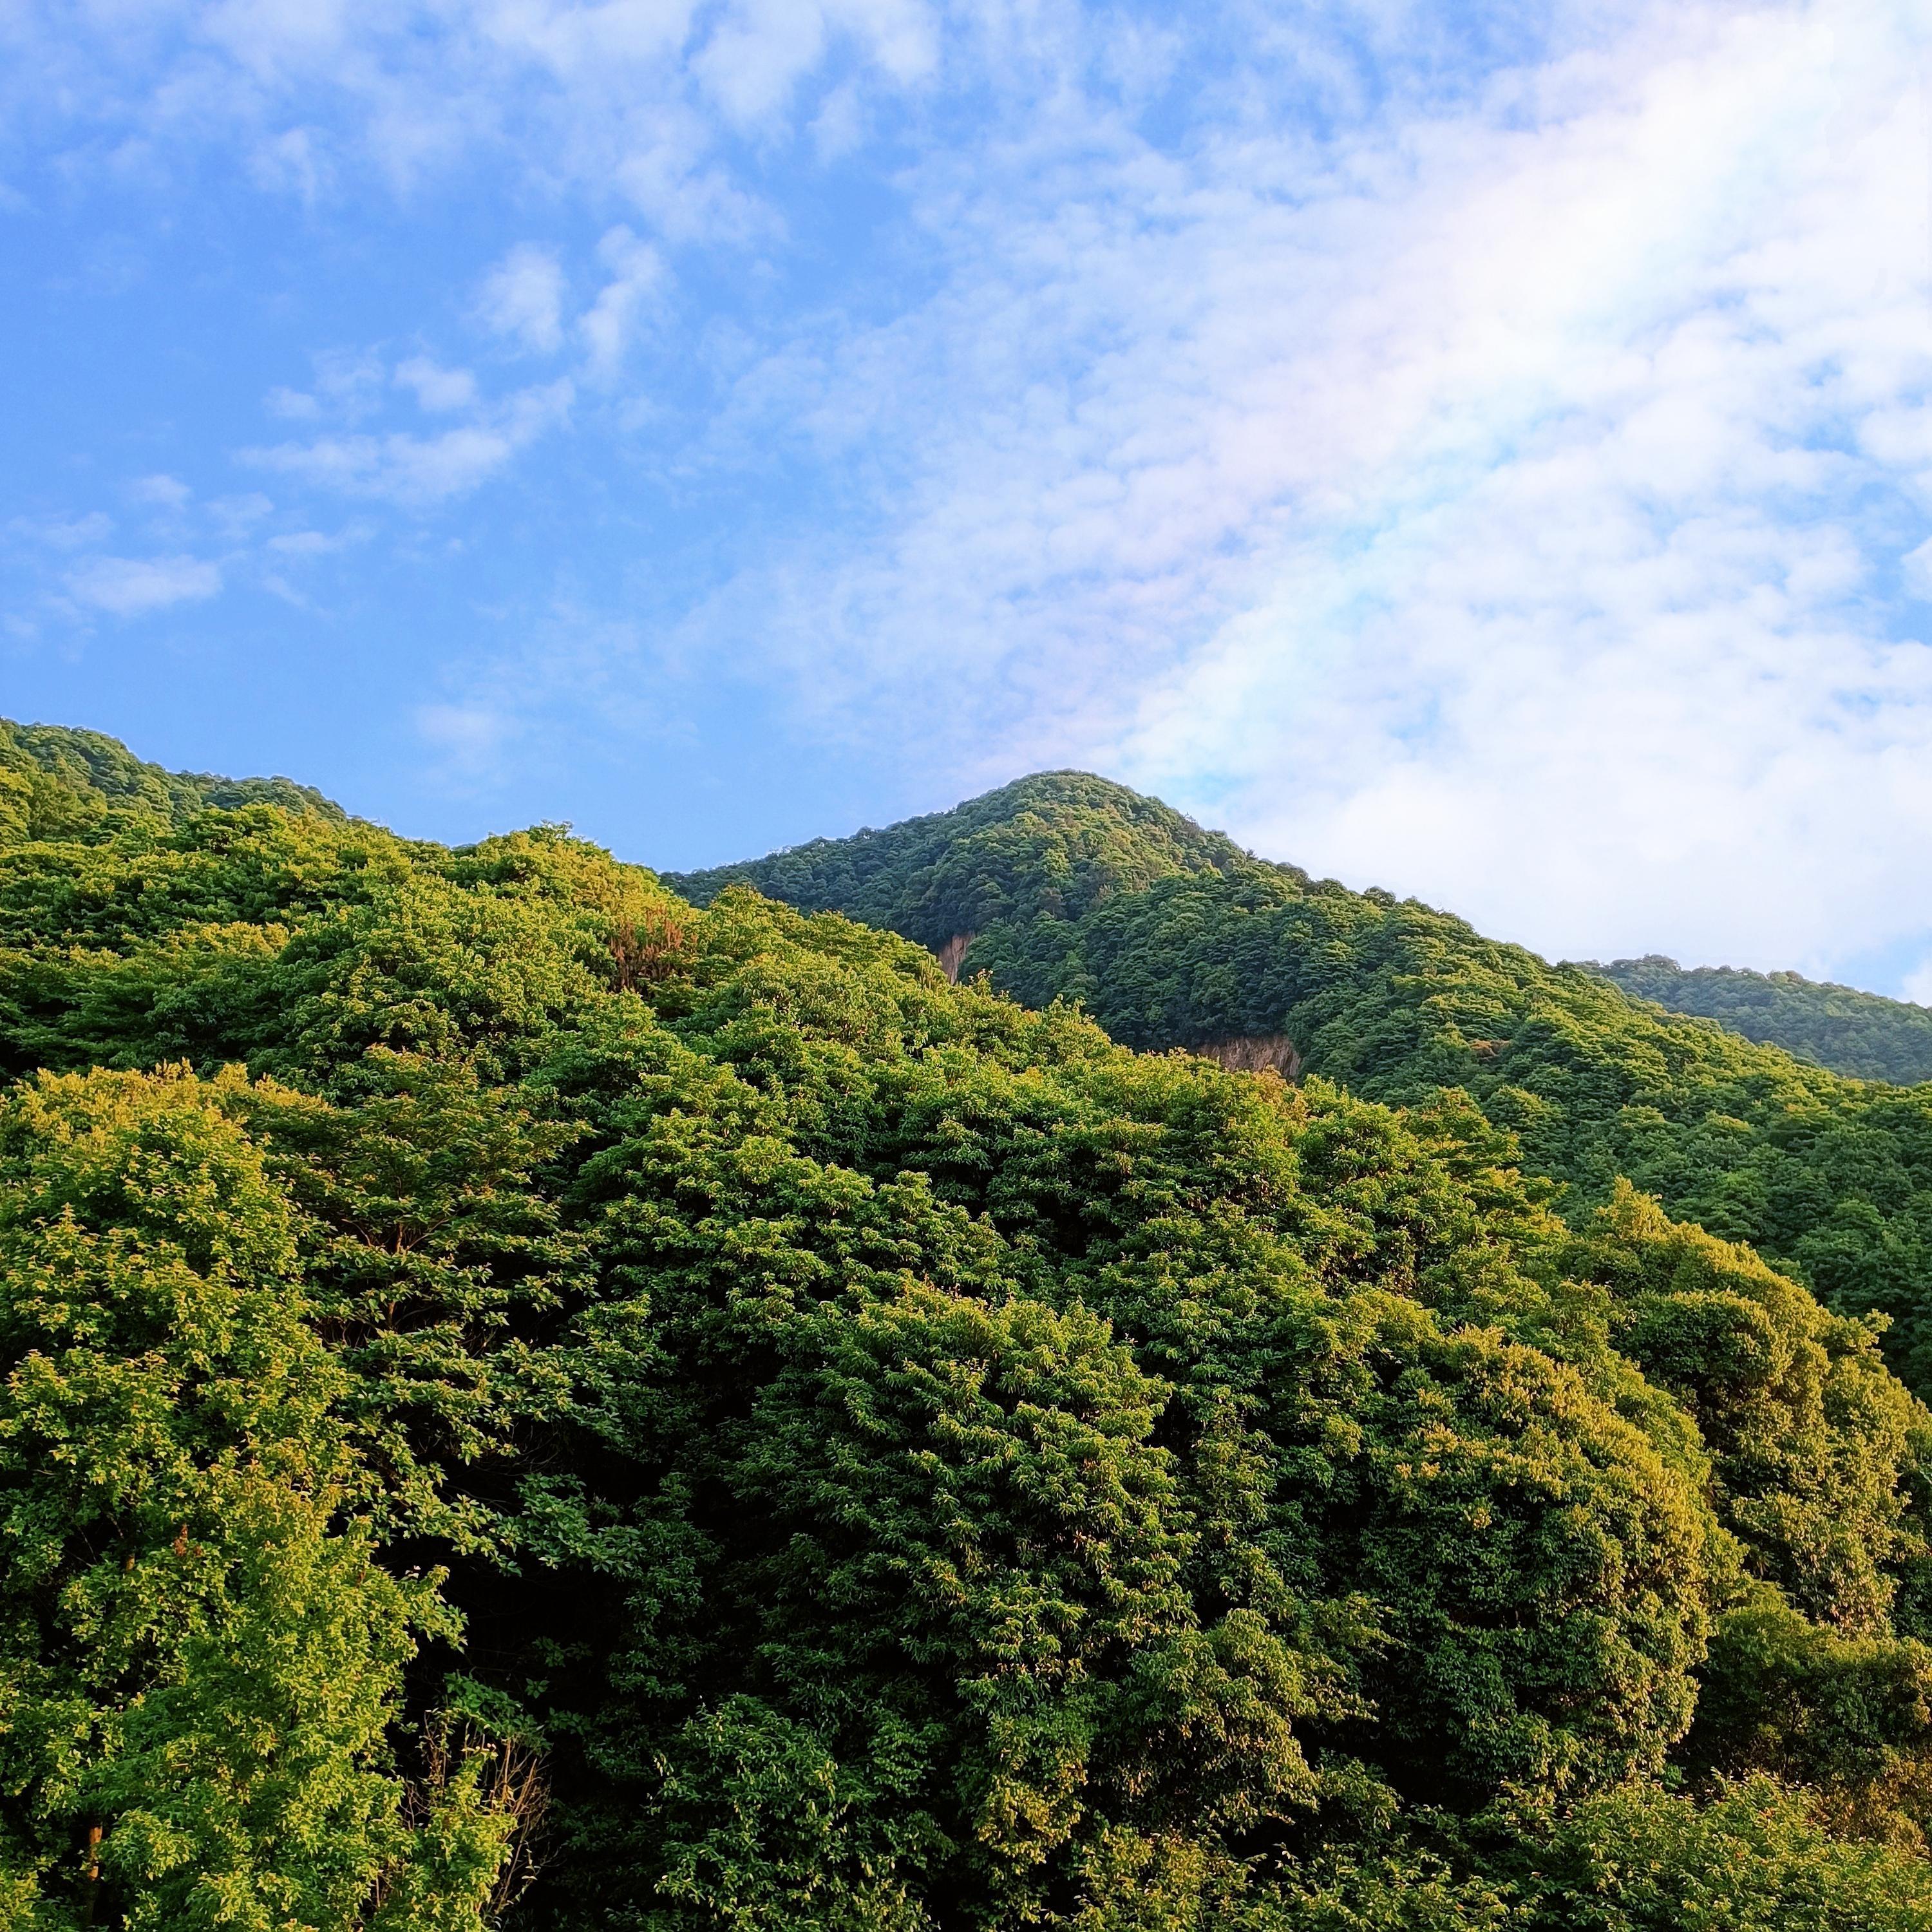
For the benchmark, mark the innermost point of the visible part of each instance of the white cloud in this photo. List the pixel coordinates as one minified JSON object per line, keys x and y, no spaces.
{"x":130,"y":587}
{"x":467,"y":732}
{"x":636,"y":270}
{"x":235,"y":518}
{"x":348,"y":383}
{"x":304,"y":543}
{"x":319,"y":98}
{"x":64,"y":533}
{"x":295,"y":161}
{"x":1496,"y":481}
{"x":419,"y":472}
{"x":1495,"y":505}
{"x":522,"y":297}
{"x":1915,"y":569}
{"x":756,"y":57}
{"x":665,"y":175}
{"x":436,"y":389}
{"x":1594,"y":659}
{"x":166,"y":493}
{"x":292,"y":405}
{"x":466,"y":742}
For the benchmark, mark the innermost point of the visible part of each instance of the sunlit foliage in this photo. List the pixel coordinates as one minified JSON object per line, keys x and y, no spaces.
{"x":529,"y":1403}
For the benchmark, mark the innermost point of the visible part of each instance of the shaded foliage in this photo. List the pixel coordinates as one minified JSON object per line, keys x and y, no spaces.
{"x":1862,"y":1034}
{"x":1830,"y":1179}
{"x":530,"y":1402}
{"x":1052,"y":846}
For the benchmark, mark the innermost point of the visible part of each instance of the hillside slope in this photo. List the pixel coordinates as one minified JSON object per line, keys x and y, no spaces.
{"x":1862,"y":1034}
{"x":1052,"y":846}
{"x":1200,"y":945}
{"x":531,"y":1404}
{"x":56,"y":781}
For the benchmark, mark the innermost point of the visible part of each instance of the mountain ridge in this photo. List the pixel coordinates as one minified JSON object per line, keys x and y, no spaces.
{"x":57,"y":780}
{"x":1865,"y":1035}
{"x":1065,"y":886}
{"x":1054,"y":842}
{"x":1844,"y":1029}
{"x":1197,"y":944}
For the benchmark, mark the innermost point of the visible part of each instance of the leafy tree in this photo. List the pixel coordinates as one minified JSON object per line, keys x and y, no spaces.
{"x":55,"y":782}
{"x":200,"y":1657}
{"x":1179,"y":940}
{"x":1640,"y":1860}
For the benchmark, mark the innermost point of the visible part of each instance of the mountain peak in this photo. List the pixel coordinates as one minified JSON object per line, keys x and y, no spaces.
{"x":1054,"y":843}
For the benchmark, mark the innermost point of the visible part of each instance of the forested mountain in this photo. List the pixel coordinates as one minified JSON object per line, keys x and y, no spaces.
{"x":55,"y":781}
{"x":1859,"y":1033}
{"x":1170,"y":937}
{"x":1051,"y":847}
{"x":530,"y":1403}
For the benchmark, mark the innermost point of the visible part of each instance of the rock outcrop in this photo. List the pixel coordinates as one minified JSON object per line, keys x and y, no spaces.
{"x":1253,"y":1053}
{"x":953,"y":951}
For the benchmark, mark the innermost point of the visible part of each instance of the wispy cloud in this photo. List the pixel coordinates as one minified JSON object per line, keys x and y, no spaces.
{"x":635,"y":271}
{"x":63,"y":533}
{"x":522,"y":297}
{"x":418,"y":471}
{"x":436,"y":389}
{"x":1506,"y":505}
{"x":164,"y":493}
{"x":468,"y":736}
{"x":126,"y":587}
{"x":321,"y":100}
{"x":1485,"y":451}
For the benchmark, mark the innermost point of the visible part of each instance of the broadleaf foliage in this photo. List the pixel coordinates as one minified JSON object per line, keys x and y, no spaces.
{"x":531,"y":1402}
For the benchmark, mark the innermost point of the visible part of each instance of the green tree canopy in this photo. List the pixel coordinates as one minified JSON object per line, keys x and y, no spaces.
{"x":532,"y":1402}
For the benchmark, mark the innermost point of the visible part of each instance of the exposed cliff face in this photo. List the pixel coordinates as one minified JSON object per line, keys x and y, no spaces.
{"x":1252,"y":1052}
{"x":953,"y":951}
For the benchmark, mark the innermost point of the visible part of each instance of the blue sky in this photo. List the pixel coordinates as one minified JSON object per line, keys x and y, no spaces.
{"x":1485,"y":451}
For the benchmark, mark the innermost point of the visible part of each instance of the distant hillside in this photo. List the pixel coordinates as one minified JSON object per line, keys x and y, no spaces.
{"x":1053,"y":846}
{"x":1066,"y":886}
{"x":1862,"y":1034}
{"x":56,"y":782}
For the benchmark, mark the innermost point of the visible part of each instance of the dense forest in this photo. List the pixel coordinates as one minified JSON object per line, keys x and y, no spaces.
{"x":1859,"y":1033}
{"x":1065,"y":887}
{"x":533,"y":1402}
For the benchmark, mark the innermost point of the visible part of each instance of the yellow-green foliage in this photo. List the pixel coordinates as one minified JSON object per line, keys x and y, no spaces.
{"x":200,"y":1646}
{"x":508,"y":1372}
{"x":1170,"y":937}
